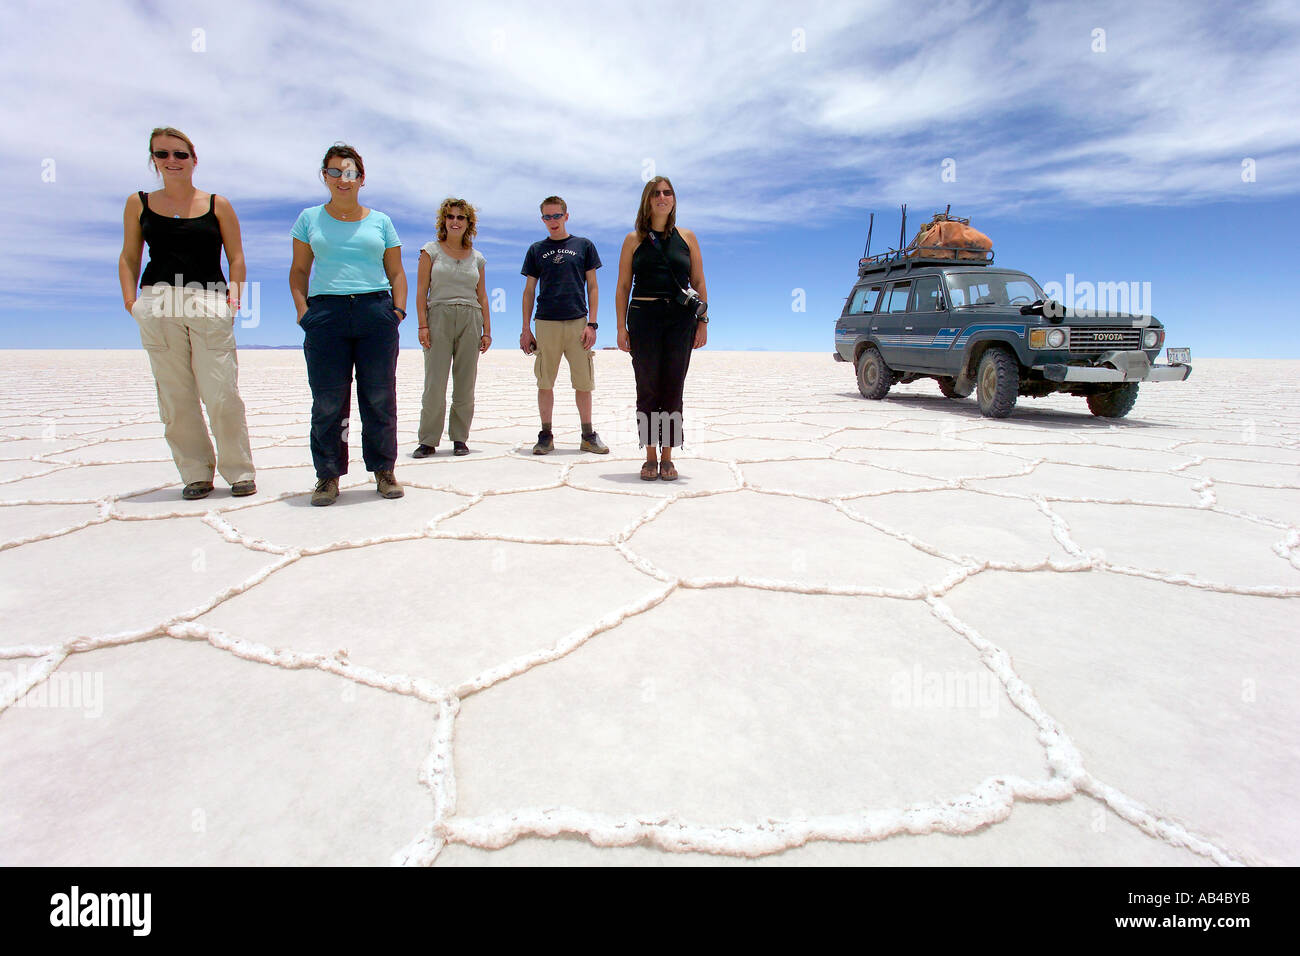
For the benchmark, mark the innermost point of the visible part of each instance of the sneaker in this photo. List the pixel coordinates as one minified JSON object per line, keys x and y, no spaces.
{"x":545,"y":443}
{"x":424,"y":451}
{"x":242,"y":489}
{"x":593,"y":443}
{"x":387,"y":485}
{"x":459,"y":448}
{"x":196,"y":489}
{"x":326,"y":490}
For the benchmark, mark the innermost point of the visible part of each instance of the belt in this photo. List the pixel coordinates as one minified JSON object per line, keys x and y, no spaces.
{"x":350,"y":295}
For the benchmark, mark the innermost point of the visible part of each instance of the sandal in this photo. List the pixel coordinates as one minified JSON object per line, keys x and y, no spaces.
{"x":649,"y":471}
{"x":667,"y":471}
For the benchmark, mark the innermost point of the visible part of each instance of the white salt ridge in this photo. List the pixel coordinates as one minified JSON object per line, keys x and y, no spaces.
{"x":987,"y":803}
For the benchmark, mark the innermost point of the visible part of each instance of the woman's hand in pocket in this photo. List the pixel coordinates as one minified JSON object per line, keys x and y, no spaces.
{"x":130,"y":308}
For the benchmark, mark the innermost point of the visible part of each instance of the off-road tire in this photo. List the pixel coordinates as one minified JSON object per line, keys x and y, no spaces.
{"x":998,"y":382}
{"x":874,"y":376}
{"x":948,"y":385}
{"x":1116,"y":403}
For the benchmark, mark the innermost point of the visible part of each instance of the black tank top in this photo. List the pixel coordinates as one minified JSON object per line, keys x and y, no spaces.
{"x":650,"y":274}
{"x":189,"y":248}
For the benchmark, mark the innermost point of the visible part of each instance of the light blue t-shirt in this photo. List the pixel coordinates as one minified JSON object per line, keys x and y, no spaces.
{"x":349,"y":256}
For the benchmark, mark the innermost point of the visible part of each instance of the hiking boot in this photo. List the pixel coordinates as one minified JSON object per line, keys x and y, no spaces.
{"x":196,"y":490}
{"x":326,"y":490}
{"x":242,"y":489}
{"x":545,"y":443}
{"x":387,"y":485}
{"x":592,"y":443}
{"x":459,"y":448}
{"x":424,"y":451}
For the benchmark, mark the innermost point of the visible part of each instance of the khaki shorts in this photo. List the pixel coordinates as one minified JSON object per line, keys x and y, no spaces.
{"x":556,"y":337}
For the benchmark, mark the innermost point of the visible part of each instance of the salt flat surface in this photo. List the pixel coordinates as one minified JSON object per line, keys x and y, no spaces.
{"x":853,"y":632}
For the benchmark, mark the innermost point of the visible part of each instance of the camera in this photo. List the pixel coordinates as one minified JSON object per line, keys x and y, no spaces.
{"x":691,"y":299}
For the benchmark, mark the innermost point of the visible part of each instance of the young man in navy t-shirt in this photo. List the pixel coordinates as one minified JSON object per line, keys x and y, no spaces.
{"x":561,"y":270}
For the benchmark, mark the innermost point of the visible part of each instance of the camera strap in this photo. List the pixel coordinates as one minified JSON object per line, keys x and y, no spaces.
{"x":660,"y":249}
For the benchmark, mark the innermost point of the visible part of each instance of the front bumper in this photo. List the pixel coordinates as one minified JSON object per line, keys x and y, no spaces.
{"x":1116,"y":367}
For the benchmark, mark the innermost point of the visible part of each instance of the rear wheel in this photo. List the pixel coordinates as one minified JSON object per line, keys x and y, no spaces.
{"x":1116,"y":403}
{"x":999,"y":382}
{"x":948,"y":385}
{"x":874,"y":376}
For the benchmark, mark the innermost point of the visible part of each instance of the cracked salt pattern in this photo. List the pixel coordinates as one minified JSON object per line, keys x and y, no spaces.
{"x":543,"y":659}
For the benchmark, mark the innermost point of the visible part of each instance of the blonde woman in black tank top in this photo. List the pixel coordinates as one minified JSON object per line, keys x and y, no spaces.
{"x":186,"y":314}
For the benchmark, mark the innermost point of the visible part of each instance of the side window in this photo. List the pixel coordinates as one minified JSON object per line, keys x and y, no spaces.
{"x":864,"y":300}
{"x":957,"y":294}
{"x":925,"y":297}
{"x":898,"y":293}
{"x":872,"y":297}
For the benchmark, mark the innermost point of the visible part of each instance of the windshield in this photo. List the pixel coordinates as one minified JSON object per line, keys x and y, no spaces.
{"x":983,"y":289}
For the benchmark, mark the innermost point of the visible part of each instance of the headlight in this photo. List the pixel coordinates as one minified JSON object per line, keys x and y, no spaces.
{"x":1150,"y":339}
{"x":1055,"y":338}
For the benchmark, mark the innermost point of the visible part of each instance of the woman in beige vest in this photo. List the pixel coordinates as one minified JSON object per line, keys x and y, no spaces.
{"x":455,"y":325}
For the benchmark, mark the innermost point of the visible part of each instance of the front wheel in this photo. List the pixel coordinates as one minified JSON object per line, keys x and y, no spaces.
{"x":999,"y":383}
{"x":1116,"y":403}
{"x":874,"y":376}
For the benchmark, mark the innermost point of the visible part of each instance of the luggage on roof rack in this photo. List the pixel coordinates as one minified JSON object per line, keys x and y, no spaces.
{"x":944,"y":239}
{"x":950,"y":237}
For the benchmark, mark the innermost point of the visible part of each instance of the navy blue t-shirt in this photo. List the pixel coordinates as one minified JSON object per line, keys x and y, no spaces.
{"x":560,"y":267}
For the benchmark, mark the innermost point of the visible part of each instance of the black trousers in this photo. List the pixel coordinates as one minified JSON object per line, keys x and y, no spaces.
{"x":343,"y":333}
{"x":662,"y":335}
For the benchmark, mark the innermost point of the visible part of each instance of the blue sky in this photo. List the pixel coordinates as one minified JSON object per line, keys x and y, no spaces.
{"x":1105,"y":141}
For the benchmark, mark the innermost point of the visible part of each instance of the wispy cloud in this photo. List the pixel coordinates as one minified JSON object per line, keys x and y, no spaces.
{"x":760,"y":112}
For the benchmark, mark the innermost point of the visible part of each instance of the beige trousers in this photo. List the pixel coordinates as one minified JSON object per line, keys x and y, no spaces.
{"x":189,"y":335}
{"x":454,"y":334}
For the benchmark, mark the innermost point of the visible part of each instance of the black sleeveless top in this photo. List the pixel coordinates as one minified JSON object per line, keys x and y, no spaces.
{"x":189,"y":248}
{"x":650,"y":274}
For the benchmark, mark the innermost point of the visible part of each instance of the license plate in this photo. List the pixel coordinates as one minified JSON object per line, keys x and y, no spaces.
{"x":1179,"y":356}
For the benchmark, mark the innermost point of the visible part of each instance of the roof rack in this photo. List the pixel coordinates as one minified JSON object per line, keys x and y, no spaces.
{"x":905,"y":260}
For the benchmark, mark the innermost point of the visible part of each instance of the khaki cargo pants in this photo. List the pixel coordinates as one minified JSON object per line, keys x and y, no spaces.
{"x":455,"y":331}
{"x":189,"y":335}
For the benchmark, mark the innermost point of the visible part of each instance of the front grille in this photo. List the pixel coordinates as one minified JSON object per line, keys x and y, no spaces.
{"x":1104,"y":340}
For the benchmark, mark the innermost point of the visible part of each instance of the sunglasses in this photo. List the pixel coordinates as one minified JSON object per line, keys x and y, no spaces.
{"x":348,"y":174}
{"x":548,"y":216}
{"x":164,"y":153}
{"x":457,"y":217}
{"x":662,"y":192}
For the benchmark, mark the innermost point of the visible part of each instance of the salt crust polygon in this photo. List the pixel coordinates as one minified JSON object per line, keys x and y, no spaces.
{"x":1192,"y":713}
{"x":199,"y":757}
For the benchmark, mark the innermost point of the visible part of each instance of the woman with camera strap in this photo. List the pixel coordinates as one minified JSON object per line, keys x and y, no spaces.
{"x":661,"y":269}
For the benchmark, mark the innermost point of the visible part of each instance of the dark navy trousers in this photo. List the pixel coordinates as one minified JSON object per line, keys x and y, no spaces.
{"x":342,"y":333}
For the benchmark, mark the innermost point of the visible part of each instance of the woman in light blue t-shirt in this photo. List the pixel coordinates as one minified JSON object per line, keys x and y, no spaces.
{"x":350,"y":292}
